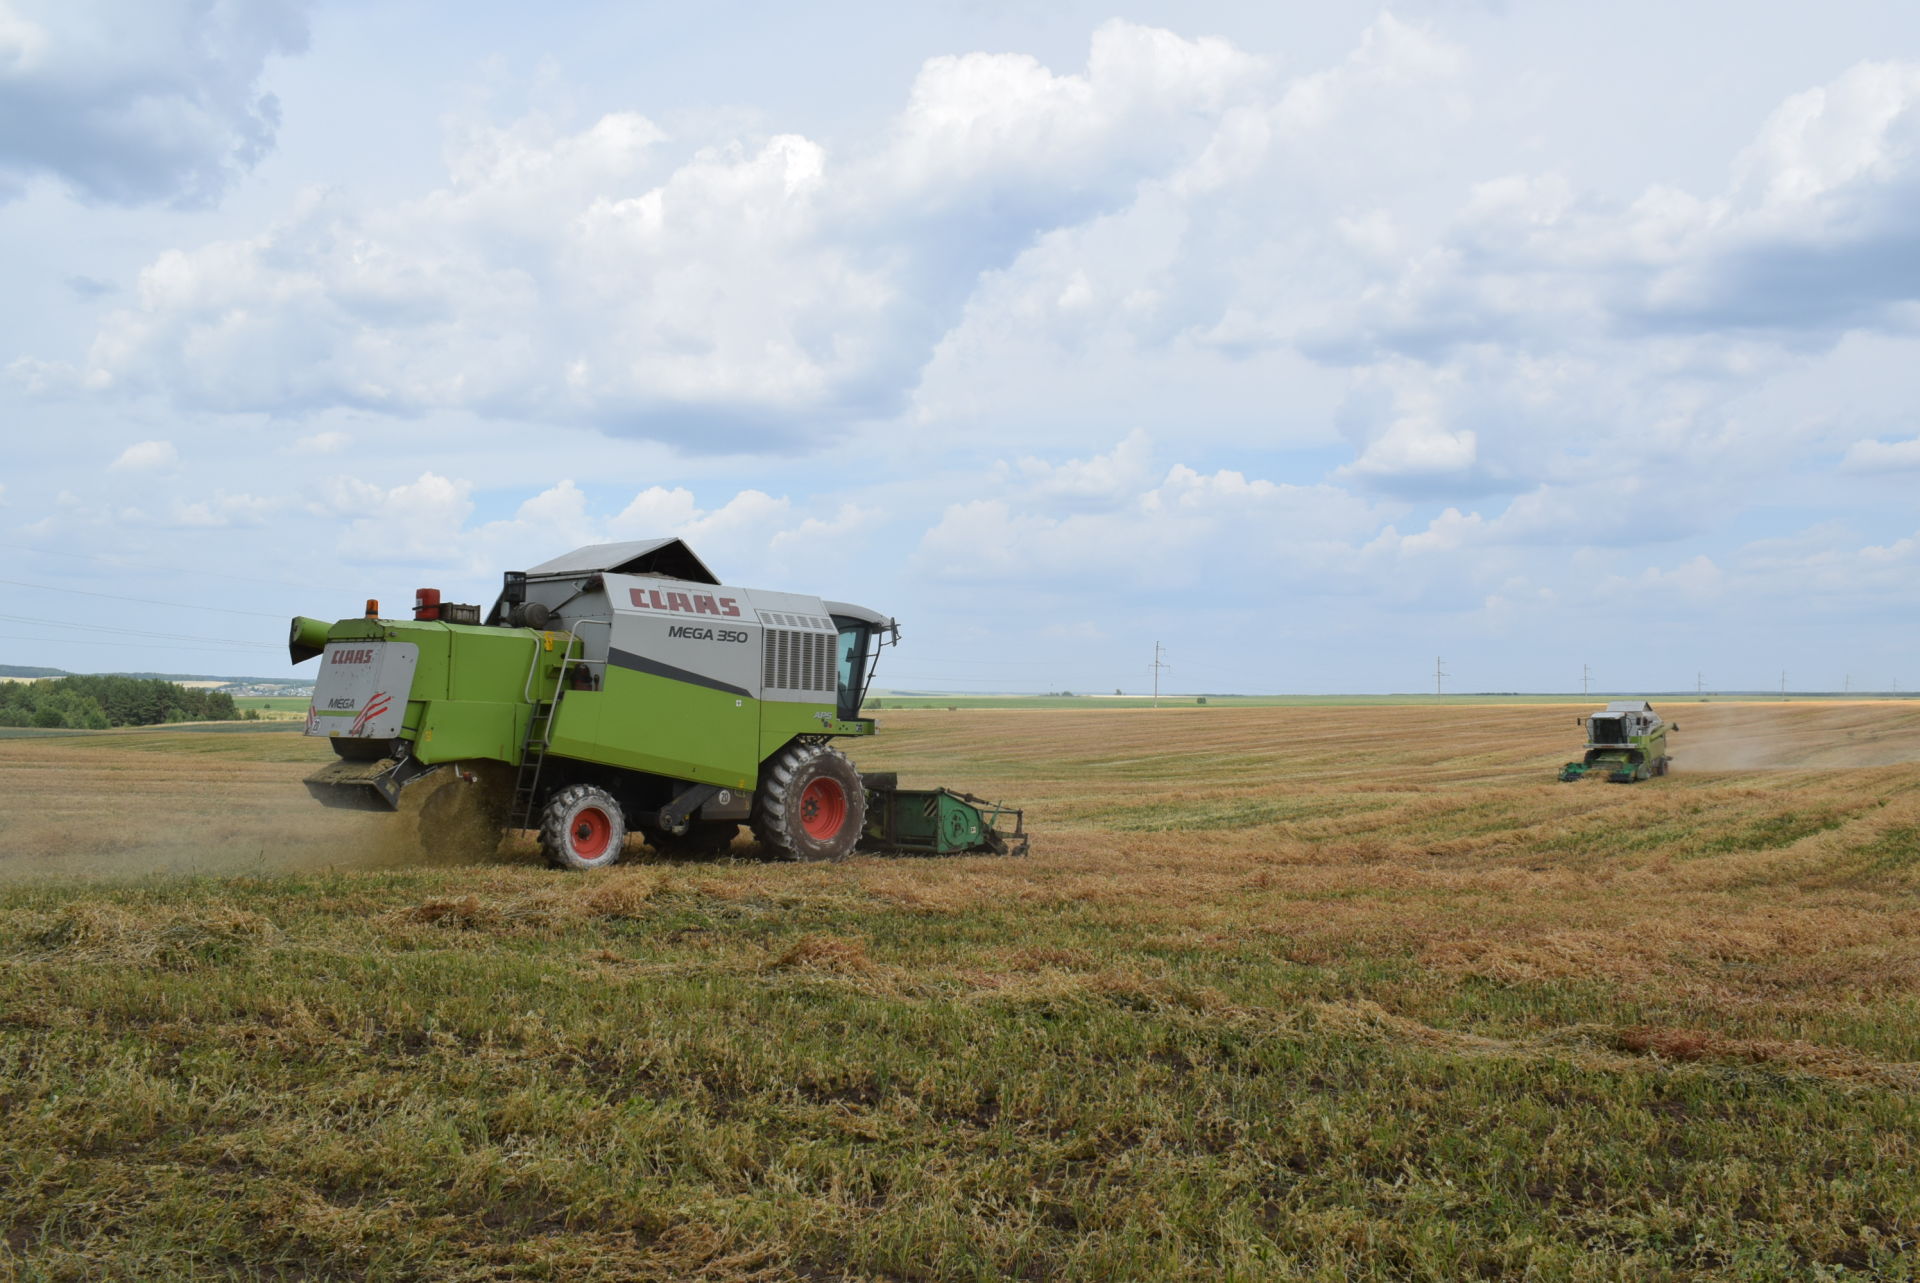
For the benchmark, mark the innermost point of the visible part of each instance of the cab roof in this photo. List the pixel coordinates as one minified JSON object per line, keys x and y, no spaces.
{"x":669,"y":558}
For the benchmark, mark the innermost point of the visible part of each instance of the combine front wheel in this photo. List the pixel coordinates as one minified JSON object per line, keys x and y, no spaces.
{"x":582,"y":828}
{"x":810,"y":805}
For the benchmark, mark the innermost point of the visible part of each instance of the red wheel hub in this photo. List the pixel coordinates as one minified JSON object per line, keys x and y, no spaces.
{"x":823,"y":809}
{"x":592,"y":831}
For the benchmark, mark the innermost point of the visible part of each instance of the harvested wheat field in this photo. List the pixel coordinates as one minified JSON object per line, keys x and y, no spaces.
{"x":1322,"y":993}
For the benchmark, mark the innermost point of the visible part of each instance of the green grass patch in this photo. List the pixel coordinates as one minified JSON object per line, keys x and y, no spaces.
{"x":334,"y":1077}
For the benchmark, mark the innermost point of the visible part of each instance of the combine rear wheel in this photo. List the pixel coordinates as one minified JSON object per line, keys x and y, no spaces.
{"x":810,"y":804}
{"x":464,"y":815}
{"x":582,"y":828}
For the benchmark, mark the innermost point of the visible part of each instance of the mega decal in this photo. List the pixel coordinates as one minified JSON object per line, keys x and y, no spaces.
{"x":694,"y":632}
{"x":699,"y":603}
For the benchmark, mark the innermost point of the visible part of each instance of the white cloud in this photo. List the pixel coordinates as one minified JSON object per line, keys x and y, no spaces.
{"x":1391,"y":56}
{"x":755,"y":537}
{"x":1182,"y":530}
{"x":223,"y":511}
{"x":321,"y":443}
{"x":133,"y":101}
{"x":749,"y":537}
{"x":1415,"y":446}
{"x":729,"y":297}
{"x":1882,"y":456}
{"x":1101,"y":482}
{"x":551,"y":522}
{"x":1794,"y":247}
{"x":419,"y":521}
{"x":147,"y":456}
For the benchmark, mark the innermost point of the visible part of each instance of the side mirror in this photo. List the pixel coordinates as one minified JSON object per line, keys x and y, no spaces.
{"x":1675,"y":728}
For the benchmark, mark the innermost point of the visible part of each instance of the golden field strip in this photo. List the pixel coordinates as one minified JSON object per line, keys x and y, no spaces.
{"x":1310,"y":992}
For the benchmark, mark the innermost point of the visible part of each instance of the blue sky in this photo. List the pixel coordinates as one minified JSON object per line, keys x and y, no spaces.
{"x":1312,"y":341}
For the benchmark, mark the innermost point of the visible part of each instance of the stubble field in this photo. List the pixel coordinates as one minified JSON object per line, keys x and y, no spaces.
{"x":1315,"y":993}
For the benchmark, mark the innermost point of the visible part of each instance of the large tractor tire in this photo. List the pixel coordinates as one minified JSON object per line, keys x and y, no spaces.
{"x":810,"y":805}
{"x":582,"y":828}
{"x":703,"y":838}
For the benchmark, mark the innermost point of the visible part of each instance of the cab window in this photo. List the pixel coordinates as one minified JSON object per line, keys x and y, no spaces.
{"x":851,"y":667}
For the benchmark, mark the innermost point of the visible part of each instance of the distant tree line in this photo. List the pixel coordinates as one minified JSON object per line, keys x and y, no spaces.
{"x":95,"y":703}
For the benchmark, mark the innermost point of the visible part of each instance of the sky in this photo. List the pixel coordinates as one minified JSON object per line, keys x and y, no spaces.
{"x":1323,"y":344}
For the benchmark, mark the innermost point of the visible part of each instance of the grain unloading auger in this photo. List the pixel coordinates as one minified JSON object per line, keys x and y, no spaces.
{"x":1625,"y":742}
{"x":623,"y":689}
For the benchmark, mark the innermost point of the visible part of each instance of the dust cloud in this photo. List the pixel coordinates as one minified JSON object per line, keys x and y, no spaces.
{"x":1793,"y":735}
{"x":128,"y":807}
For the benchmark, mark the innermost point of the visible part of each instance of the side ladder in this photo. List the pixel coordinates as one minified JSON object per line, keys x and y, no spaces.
{"x":533,"y":750}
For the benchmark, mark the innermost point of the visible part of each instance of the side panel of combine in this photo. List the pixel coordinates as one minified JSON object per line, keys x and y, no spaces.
{"x":654,"y":724}
{"x":454,"y":691}
{"x":480,"y":713}
{"x":678,"y":694}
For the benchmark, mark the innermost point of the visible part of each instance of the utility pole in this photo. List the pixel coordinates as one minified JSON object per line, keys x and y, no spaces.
{"x":1586,"y":678}
{"x":1156,"y":666}
{"x":1783,"y":681}
{"x":1439,"y":673}
{"x":1699,"y":682}
{"x":1846,"y":684}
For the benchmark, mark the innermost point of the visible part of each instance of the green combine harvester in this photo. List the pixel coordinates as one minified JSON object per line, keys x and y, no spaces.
{"x":622,"y":689}
{"x":1625,"y":742}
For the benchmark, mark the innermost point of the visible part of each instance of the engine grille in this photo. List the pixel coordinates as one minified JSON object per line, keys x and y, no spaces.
{"x":797,"y":661}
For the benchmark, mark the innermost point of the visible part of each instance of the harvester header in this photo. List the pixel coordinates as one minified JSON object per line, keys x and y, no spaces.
{"x":619,"y":688}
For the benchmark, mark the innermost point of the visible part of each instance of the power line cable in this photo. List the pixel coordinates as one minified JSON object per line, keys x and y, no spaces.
{"x":140,"y":632}
{"x":145,"y":601}
{"x":120,"y":564}
{"x":80,"y":641}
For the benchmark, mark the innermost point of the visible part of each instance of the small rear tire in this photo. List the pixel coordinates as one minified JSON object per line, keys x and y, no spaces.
{"x":810,"y":804}
{"x":462,"y":811}
{"x":582,"y":828}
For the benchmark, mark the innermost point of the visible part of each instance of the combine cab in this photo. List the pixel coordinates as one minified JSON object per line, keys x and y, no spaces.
{"x":622,"y":689}
{"x":1626,"y":742}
